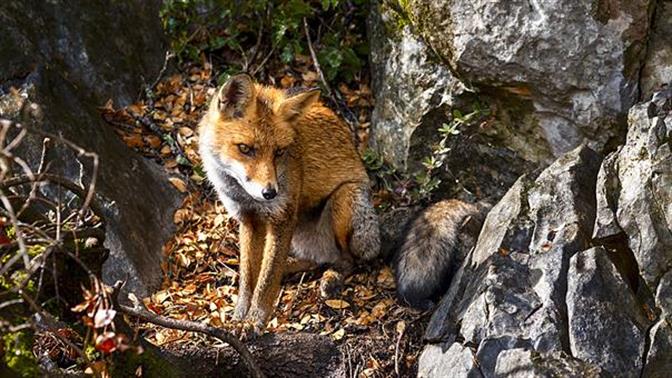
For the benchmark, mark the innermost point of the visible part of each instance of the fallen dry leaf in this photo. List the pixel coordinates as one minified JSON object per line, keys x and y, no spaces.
{"x":178,"y":183}
{"x":337,"y":304}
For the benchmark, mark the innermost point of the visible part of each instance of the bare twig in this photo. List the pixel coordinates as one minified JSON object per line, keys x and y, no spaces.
{"x":263,"y":62}
{"x":58,"y":180}
{"x":148,"y":88}
{"x":139,"y":311}
{"x":45,"y":232}
{"x":316,"y":63}
{"x":396,"y":351}
{"x":335,"y":97}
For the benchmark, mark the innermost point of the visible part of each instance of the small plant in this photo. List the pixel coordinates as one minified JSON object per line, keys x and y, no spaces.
{"x":427,"y":180}
{"x":411,"y":188}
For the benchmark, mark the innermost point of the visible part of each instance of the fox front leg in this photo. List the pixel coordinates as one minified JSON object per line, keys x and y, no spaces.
{"x":252,"y":235}
{"x":273,"y":266}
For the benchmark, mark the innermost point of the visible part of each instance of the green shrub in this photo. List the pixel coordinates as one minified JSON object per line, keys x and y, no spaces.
{"x":233,"y":28}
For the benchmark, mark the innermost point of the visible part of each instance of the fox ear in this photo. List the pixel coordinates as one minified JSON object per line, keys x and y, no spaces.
{"x":235,"y":95}
{"x":298,"y":104}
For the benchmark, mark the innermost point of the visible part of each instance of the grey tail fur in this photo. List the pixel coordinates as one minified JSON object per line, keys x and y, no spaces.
{"x":434,"y":245}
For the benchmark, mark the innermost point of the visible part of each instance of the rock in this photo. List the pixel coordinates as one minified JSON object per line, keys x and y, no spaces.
{"x":408,"y":82}
{"x":575,"y":62}
{"x":415,"y":94}
{"x":633,"y":192}
{"x":457,"y":359}
{"x":511,"y":291}
{"x":657,"y":69}
{"x":539,"y":297}
{"x":659,"y":356}
{"x":525,"y":363}
{"x":68,"y":60}
{"x":607,"y":326}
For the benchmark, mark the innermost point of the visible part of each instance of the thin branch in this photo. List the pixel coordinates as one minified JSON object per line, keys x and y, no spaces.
{"x":169,"y":55}
{"x":335,"y":97}
{"x":316,"y":63}
{"x":61,"y":181}
{"x":396,"y":351}
{"x":140,"y":312}
{"x":263,"y":62}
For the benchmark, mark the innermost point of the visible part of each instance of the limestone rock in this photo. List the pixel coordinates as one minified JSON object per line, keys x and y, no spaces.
{"x":607,"y":327}
{"x":657,"y":70}
{"x":634,"y":189}
{"x":511,"y":291}
{"x":577,"y":62}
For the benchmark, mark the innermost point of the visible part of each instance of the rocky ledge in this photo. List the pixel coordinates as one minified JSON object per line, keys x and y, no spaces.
{"x":572,"y":272}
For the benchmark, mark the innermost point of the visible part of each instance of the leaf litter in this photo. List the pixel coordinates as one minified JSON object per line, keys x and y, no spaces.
{"x":200,"y":269}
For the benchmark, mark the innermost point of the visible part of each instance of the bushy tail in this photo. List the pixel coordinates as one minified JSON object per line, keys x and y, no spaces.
{"x":435,"y":242}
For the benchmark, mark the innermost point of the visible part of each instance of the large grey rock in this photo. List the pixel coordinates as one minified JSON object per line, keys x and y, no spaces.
{"x":657,"y":70}
{"x":415,"y":94}
{"x":576,"y":62}
{"x":511,"y":292}
{"x":659,"y":356}
{"x":69,"y":58}
{"x":607,"y":327}
{"x":634,"y":193}
{"x":408,"y":81}
{"x":523,"y":363}
{"x":537,"y":300}
{"x":455,"y":360}
{"x":635,"y":204}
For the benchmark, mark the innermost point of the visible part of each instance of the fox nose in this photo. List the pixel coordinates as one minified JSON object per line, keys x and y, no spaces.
{"x":269,"y":193}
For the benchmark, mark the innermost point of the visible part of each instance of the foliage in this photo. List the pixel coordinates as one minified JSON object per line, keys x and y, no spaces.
{"x":427,"y":179}
{"x":416,"y":187}
{"x":18,"y":355}
{"x":243,"y":33}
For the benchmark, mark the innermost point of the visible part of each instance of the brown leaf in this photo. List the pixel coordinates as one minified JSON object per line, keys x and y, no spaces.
{"x":337,"y":304}
{"x":178,"y":183}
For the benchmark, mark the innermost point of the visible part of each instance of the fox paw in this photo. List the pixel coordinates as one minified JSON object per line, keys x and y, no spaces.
{"x":242,"y":306}
{"x":330,"y":284}
{"x":245,"y":329}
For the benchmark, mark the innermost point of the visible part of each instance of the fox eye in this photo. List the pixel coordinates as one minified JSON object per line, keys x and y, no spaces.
{"x":279,"y":152}
{"x":245,"y":149}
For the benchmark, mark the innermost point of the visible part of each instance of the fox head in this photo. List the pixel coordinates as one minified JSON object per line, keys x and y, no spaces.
{"x":249,"y":133}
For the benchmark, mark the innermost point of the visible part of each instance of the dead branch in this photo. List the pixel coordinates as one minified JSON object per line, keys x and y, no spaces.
{"x":148,"y":88}
{"x":139,"y":311}
{"x":335,"y":97}
{"x":44,"y":233}
{"x":316,"y":63}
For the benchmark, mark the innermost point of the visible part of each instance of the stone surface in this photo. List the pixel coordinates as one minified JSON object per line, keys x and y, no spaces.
{"x":415,"y":94}
{"x":408,"y":81}
{"x":525,"y":363}
{"x":577,"y":62}
{"x":510,"y":293}
{"x":571,"y":273}
{"x":69,"y":59}
{"x":634,"y":189}
{"x":657,"y":70}
{"x":607,"y":327}
{"x":456,"y":360}
{"x":659,"y":356}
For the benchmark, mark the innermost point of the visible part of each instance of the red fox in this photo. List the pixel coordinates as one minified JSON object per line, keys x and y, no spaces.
{"x":286,"y":168}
